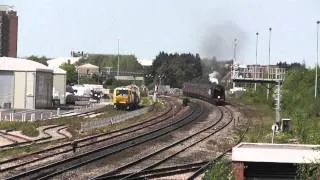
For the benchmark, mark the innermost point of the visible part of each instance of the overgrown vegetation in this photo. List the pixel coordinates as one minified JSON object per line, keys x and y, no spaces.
{"x":298,"y":103}
{"x":220,"y":170}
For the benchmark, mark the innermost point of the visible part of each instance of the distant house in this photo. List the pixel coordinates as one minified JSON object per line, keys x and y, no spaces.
{"x":88,"y":69}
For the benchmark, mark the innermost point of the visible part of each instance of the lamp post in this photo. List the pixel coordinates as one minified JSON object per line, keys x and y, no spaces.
{"x":118,"y":58}
{"x":316,"y":78}
{"x":255,"y":68}
{"x":235,"y":43}
{"x":270,"y":29}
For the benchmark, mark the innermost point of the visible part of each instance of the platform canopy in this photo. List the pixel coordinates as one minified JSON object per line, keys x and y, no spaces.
{"x":276,"y":153}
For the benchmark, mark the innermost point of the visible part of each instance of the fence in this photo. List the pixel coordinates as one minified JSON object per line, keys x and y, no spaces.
{"x":88,"y":125}
{"x":32,"y":115}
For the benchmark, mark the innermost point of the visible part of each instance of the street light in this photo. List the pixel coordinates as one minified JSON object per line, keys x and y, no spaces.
{"x":255,"y":68}
{"x":235,"y":43}
{"x":316,"y":78}
{"x":270,"y":29}
{"x":118,"y":58}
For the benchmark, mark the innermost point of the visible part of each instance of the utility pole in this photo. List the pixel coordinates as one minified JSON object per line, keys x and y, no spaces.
{"x":118,"y":58}
{"x":269,"y":62}
{"x":316,"y":78}
{"x":234,"y":58}
{"x":255,"y":68}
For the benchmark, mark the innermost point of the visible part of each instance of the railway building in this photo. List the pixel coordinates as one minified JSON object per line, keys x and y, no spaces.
{"x":271,"y":161}
{"x":25,"y":84}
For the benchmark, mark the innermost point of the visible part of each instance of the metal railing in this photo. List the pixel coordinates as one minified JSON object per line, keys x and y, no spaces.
{"x":258,"y":73}
{"x":33,"y":115}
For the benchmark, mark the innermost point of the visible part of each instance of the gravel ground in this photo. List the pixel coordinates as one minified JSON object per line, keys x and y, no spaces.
{"x":132,"y":154}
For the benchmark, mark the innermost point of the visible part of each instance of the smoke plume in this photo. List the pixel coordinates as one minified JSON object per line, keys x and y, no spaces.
{"x":218,"y":41}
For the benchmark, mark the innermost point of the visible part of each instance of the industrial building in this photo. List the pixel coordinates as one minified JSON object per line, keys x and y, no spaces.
{"x":8,"y":31}
{"x":25,"y":84}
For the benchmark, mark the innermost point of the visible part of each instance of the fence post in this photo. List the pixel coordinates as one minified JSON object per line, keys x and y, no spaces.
{"x":33,"y":117}
{"x":0,"y":116}
{"x":58,"y":112}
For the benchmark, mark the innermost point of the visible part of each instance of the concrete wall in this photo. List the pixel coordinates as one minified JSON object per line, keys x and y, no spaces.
{"x":7,"y":89}
{"x":30,"y":91}
{"x":19,"y":90}
{"x":59,"y":87}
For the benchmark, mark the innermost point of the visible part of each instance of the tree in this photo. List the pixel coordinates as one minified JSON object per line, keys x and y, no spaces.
{"x":174,"y":69}
{"x":43,"y":60}
{"x":72,"y":74}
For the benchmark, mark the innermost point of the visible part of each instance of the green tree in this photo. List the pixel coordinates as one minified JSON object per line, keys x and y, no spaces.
{"x":126,"y":62}
{"x":43,"y":60}
{"x":72,"y":75}
{"x":174,"y":69}
{"x":220,"y":170}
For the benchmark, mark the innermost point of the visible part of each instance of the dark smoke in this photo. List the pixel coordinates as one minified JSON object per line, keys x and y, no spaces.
{"x":219,"y":39}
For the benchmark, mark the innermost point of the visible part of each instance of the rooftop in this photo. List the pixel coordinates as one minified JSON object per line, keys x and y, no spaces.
{"x":276,"y":153}
{"x":17,"y":64}
{"x":88,"y":66}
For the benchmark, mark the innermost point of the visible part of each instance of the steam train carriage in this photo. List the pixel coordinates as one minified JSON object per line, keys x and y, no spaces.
{"x":209,"y":92}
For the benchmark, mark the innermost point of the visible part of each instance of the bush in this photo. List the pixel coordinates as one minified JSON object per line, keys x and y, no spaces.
{"x":220,"y":170}
{"x":185,"y":101}
{"x":30,"y":130}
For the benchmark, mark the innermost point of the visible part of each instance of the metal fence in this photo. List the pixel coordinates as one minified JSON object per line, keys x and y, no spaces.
{"x":32,"y":115}
{"x":92,"y":124}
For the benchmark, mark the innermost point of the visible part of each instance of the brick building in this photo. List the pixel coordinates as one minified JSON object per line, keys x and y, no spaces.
{"x":8,"y":31}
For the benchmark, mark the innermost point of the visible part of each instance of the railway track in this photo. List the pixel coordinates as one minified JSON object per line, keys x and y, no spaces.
{"x":11,"y":164}
{"x":86,"y":158}
{"x":168,"y":152}
{"x":210,"y":163}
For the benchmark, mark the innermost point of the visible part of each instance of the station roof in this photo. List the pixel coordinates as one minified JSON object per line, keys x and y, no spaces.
{"x":276,"y":153}
{"x":17,"y":64}
{"x":88,"y":66}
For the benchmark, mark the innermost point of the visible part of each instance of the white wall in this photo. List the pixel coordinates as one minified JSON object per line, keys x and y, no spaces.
{"x":59,"y":87}
{"x":19,"y":90}
{"x":7,"y":88}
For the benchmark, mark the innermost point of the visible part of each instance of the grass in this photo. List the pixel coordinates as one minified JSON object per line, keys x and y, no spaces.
{"x":262,"y":118}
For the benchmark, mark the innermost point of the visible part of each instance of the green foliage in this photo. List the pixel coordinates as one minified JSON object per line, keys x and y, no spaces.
{"x":126,"y":62}
{"x":174,"y":69}
{"x":43,"y":60}
{"x":30,"y":130}
{"x":185,"y":101}
{"x":220,"y":170}
{"x":299,"y":104}
{"x":146,"y":101}
{"x":257,"y":97}
{"x":308,"y":171}
{"x":72,"y":75}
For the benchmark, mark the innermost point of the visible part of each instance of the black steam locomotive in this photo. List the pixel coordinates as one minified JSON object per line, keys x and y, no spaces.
{"x":209,"y":92}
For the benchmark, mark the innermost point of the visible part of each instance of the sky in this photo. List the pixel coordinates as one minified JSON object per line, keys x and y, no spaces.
{"x":53,"y":28}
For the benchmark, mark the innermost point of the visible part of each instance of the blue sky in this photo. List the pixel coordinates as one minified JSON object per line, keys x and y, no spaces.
{"x":55,"y":27}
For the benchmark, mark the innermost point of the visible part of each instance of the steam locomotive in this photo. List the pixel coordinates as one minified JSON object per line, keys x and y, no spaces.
{"x":214,"y":93}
